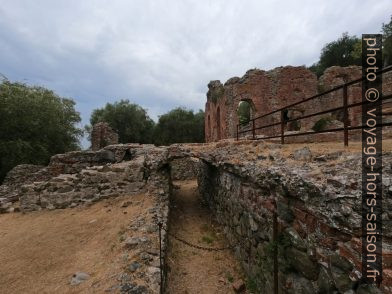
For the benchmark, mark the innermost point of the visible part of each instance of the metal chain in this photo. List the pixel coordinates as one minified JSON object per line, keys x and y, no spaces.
{"x":196,"y":246}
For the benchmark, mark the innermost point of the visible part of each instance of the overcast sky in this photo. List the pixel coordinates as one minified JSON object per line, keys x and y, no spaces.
{"x":162,"y":54}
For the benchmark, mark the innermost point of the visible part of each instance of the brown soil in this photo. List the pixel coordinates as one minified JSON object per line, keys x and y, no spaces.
{"x":191,"y":270}
{"x":40,"y":251}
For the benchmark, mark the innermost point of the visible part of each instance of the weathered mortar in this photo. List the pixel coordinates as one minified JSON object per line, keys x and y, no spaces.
{"x":184,"y":168}
{"x":319,"y":222}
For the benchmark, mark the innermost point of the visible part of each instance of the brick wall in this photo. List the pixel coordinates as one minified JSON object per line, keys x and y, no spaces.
{"x":270,"y":90}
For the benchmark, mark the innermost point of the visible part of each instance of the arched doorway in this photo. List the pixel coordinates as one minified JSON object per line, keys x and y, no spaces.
{"x":244,"y":111}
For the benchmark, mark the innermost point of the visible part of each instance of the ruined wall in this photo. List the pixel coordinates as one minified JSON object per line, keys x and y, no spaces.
{"x":316,"y":198}
{"x":17,"y":177}
{"x":264,"y":90}
{"x":184,"y":168}
{"x":84,"y":177}
{"x":102,"y":135}
{"x":88,"y":176}
{"x":318,"y":208}
{"x":270,"y":90}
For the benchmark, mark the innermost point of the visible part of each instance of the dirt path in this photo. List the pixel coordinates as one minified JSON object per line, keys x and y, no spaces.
{"x":40,"y":251}
{"x":192,"y":270}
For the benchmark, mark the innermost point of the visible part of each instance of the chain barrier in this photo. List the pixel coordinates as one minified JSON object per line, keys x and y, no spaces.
{"x":194,"y":245}
{"x":160,"y":226}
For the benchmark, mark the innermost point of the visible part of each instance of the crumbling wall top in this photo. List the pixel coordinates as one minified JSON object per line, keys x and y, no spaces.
{"x":102,"y":135}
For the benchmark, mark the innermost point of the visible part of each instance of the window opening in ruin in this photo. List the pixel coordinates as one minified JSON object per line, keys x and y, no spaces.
{"x":285,"y":115}
{"x":245,"y":111}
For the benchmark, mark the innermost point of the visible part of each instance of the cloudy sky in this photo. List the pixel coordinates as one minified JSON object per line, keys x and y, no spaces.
{"x":162,"y":54}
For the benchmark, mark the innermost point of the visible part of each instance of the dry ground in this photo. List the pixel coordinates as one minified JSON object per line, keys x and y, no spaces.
{"x":194,"y":271}
{"x":40,"y":251}
{"x":328,"y":147}
{"x":250,"y":149}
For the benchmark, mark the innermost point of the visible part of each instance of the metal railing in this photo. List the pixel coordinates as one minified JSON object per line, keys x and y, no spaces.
{"x":346,"y":127}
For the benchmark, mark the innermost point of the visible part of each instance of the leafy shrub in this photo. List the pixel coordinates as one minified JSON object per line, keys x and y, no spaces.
{"x":322,"y":124}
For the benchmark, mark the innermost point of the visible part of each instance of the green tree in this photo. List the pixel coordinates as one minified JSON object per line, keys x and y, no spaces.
{"x":387,"y":42}
{"x":130,"y":121}
{"x":180,"y":126}
{"x":342,"y":52}
{"x":244,"y":111}
{"x":35,"y":124}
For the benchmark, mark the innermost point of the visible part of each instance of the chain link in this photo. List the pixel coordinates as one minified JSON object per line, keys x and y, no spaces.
{"x":196,"y":246}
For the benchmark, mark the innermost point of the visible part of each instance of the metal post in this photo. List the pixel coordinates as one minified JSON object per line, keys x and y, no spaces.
{"x":160,"y":257}
{"x":345,"y":115}
{"x":275,"y":242}
{"x":282,"y":126}
{"x":253,"y":129}
{"x":237,"y":131}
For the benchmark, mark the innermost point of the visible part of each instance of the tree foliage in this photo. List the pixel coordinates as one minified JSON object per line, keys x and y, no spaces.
{"x":35,"y":124}
{"x":342,"y":52}
{"x":387,"y":42}
{"x":130,"y":121}
{"x":347,"y":50}
{"x":244,"y":111}
{"x":180,"y":126}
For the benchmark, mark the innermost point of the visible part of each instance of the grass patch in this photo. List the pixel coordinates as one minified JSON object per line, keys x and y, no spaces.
{"x":229,"y":277}
{"x":251,"y":285}
{"x":208,"y":239}
{"x":322,"y":124}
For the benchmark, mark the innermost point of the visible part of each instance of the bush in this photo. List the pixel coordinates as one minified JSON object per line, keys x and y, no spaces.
{"x":322,"y":124}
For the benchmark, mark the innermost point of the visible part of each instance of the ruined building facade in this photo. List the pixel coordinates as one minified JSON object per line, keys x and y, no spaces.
{"x":267,"y":91}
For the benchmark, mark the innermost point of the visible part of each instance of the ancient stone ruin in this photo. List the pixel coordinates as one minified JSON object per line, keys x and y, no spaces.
{"x":312,"y":201}
{"x":266,"y":91}
{"x":305,"y":202}
{"x":102,"y":135}
{"x":290,"y":215}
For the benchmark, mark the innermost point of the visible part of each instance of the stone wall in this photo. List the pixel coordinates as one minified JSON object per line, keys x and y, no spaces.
{"x":84,"y":177}
{"x":88,"y":176}
{"x":318,"y":218}
{"x":17,"y":177}
{"x":264,"y":90}
{"x":314,"y":198}
{"x":102,"y":135}
{"x":270,"y":90}
{"x":184,"y":168}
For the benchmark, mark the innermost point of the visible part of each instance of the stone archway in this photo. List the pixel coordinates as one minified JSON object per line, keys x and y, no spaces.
{"x":245,"y":110}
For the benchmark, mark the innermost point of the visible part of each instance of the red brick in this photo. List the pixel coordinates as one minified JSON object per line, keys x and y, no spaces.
{"x":300,"y":214}
{"x":387,"y":277}
{"x":348,"y":253}
{"x":269,"y":204}
{"x":311,"y":223}
{"x":387,"y":259}
{"x":329,"y":243}
{"x":299,"y":227}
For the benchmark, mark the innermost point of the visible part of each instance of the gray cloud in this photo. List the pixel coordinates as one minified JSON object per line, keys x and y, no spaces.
{"x":162,"y":54}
